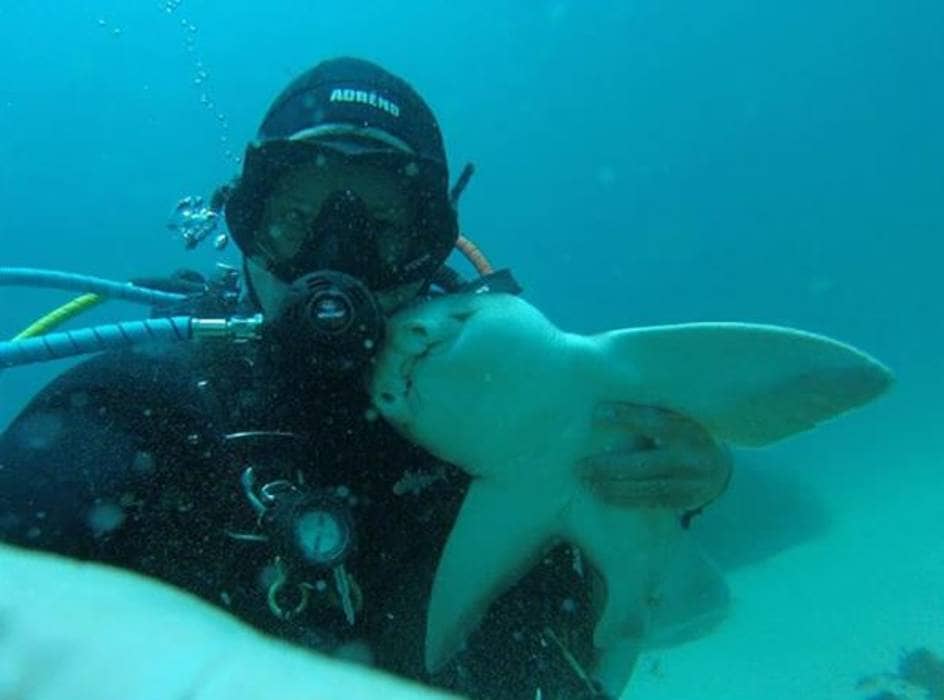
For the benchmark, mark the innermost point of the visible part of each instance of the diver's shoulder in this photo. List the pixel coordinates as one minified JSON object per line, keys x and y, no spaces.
{"x":143,"y":366}
{"x":121,"y":376}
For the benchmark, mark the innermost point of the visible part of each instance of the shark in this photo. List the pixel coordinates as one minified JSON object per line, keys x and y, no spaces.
{"x":601,"y":441}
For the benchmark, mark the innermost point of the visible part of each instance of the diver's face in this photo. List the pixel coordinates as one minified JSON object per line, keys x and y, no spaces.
{"x":298,"y":224}
{"x":352,"y":217}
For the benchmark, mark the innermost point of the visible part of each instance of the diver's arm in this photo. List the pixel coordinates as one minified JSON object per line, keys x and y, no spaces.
{"x":75,"y":629}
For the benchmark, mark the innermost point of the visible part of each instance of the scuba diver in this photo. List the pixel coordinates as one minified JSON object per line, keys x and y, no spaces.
{"x":252,"y":472}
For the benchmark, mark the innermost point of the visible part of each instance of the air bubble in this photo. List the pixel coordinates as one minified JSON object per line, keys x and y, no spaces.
{"x":201,"y":77}
{"x":143,"y":462}
{"x":39,"y":431}
{"x":105,"y":517}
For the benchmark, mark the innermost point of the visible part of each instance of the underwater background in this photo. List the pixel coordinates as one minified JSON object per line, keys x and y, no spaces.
{"x":638,"y":162}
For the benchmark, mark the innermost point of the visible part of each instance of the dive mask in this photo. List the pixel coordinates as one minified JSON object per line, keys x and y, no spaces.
{"x":381,"y":215}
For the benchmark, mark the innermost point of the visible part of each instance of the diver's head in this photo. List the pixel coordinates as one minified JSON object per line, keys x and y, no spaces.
{"x":348,"y":173}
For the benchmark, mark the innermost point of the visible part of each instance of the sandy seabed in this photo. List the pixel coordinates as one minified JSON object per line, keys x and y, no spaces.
{"x":815,"y":619}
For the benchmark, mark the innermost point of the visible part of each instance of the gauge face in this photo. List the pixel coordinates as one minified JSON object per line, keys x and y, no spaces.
{"x":322,"y":536}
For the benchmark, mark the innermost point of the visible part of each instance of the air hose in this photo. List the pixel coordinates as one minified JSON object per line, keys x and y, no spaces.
{"x":38,"y":344}
{"x":113,"y":336}
{"x":53,"y":279}
{"x":55,"y":346}
{"x":35,"y":345}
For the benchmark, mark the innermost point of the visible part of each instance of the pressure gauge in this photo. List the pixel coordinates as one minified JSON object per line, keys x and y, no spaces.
{"x":323,"y":534}
{"x":322,"y":531}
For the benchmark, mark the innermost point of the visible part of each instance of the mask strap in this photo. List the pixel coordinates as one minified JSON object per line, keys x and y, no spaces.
{"x":461,"y":183}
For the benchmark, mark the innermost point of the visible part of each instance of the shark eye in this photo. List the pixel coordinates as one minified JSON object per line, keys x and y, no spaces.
{"x":387,"y":397}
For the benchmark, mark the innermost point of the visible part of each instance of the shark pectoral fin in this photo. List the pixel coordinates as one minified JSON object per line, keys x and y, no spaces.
{"x":615,"y":665}
{"x":499,"y":535}
{"x":747,"y":384}
{"x":629,"y":548}
{"x":692,"y":598}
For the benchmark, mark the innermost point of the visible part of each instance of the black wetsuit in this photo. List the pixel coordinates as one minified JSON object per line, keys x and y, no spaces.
{"x":124,"y":459}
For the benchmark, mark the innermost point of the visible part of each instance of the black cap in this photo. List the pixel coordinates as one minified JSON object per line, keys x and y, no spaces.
{"x":359,"y":94}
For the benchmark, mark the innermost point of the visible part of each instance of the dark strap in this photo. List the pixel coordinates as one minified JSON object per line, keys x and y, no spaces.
{"x":498,"y":282}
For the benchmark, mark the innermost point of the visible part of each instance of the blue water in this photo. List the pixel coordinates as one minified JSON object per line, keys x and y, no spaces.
{"x":638,"y":162}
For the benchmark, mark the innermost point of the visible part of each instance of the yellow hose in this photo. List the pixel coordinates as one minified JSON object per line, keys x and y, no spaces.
{"x":59,"y":316}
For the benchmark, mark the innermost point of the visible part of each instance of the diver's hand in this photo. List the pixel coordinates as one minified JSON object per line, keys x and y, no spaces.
{"x":76,"y":630}
{"x":655,"y":459}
